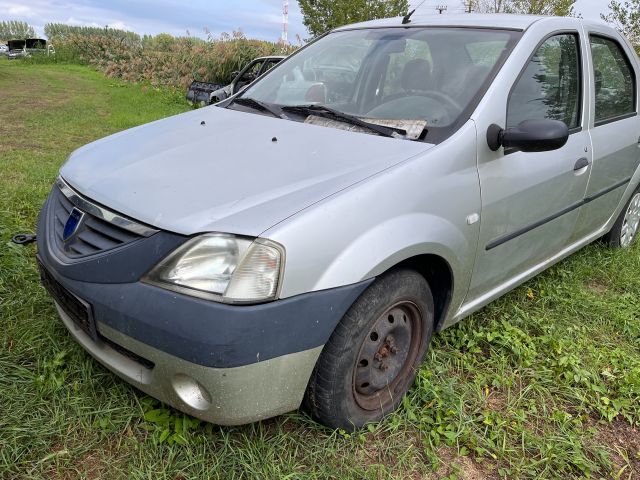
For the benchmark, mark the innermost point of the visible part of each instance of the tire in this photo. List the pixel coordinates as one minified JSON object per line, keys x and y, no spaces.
{"x":627,"y":227}
{"x":372,"y":357}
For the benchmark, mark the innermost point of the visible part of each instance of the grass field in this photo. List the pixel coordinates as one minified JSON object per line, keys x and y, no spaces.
{"x":544,"y":383}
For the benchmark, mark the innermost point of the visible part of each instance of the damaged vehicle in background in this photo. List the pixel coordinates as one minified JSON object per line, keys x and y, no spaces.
{"x":28,"y":47}
{"x":302,"y":241}
{"x":208,"y":93}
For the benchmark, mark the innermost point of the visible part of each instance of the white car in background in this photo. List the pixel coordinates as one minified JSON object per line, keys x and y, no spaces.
{"x":4,"y":49}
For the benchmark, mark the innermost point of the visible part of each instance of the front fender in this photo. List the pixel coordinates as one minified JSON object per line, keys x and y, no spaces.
{"x":428,"y":204}
{"x":383,"y":247}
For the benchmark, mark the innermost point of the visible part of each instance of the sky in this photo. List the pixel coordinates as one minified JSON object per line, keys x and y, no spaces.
{"x":256,"y":18}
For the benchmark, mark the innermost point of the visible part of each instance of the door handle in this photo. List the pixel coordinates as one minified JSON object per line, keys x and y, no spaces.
{"x":581,"y":163}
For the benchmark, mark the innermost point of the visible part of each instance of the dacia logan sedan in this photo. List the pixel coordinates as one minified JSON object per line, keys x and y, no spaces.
{"x":301,"y":242}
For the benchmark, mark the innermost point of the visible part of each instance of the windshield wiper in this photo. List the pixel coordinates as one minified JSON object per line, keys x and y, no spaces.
{"x":327,"y":112}
{"x":258,"y":105}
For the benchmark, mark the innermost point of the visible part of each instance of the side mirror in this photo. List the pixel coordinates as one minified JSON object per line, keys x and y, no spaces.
{"x":529,"y":136}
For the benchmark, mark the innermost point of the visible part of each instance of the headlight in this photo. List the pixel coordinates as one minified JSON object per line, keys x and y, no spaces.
{"x":224,"y":268}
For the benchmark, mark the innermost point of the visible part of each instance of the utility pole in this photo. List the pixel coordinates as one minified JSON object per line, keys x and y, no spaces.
{"x":441,"y":8}
{"x":285,"y":22}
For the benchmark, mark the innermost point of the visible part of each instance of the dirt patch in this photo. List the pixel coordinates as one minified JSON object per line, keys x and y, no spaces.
{"x":15,"y":132}
{"x":376,"y":451}
{"x":464,"y":468}
{"x":65,"y":464}
{"x":496,"y":401}
{"x":92,"y":464}
{"x":597,"y":286}
{"x":623,"y":443}
{"x":19,"y":142}
{"x":20,"y":100}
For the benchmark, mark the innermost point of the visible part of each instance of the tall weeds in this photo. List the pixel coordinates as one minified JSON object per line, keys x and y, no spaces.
{"x":162,"y":60}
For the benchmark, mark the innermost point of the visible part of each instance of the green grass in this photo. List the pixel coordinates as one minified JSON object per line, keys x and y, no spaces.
{"x":544,"y":383}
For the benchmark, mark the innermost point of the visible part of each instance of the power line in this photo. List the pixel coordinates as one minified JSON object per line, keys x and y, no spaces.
{"x":444,"y":6}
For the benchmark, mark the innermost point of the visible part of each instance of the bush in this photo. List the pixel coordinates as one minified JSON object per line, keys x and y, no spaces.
{"x":162,"y":60}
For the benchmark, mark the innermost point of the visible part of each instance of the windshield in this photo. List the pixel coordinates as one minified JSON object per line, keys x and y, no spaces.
{"x":390,"y":74}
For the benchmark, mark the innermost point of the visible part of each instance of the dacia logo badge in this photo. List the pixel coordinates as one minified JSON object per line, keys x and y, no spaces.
{"x":73,"y":223}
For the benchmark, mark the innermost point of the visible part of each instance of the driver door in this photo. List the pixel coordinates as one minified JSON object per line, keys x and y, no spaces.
{"x":531,"y":201}
{"x":248,"y":75}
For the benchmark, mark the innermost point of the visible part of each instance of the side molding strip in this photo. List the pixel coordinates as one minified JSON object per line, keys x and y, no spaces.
{"x":510,"y":236}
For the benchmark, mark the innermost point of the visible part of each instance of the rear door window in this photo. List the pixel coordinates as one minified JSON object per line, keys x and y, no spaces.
{"x":614,"y":80}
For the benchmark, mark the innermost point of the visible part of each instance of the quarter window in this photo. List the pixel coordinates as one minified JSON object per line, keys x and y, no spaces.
{"x":614,"y":80}
{"x":550,"y":86}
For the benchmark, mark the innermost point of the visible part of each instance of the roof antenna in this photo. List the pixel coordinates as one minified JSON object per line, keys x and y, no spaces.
{"x":407,"y":18}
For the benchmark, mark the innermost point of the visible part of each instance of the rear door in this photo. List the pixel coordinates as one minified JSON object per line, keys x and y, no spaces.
{"x":531,"y":201}
{"x":615,"y":129}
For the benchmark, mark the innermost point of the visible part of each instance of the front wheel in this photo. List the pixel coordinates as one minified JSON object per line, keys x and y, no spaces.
{"x":627,"y":227}
{"x":372,"y":358}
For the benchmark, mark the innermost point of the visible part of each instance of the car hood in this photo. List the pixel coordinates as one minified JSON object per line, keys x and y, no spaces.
{"x":217,"y":169}
{"x":16,"y":44}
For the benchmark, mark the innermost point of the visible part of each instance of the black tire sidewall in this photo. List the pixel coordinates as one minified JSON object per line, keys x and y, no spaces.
{"x":614,"y":237}
{"x":335,"y":403}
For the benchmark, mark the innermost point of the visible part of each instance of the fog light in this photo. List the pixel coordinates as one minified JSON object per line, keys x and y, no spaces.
{"x":191,"y":392}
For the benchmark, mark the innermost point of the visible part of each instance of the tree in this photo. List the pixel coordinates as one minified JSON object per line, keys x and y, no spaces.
{"x":561,"y":8}
{"x":625,"y":16}
{"x":61,"y":31}
{"x":16,"y":30}
{"x":322,"y":15}
{"x":163,"y":42}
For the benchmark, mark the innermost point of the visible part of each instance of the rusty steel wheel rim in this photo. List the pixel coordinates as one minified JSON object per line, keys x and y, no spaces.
{"x":384,"y":365}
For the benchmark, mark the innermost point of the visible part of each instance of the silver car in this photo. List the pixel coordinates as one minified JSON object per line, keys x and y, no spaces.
{"x":376,"y":187}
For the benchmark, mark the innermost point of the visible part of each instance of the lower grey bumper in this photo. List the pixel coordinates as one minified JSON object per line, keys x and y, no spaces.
{"x":225,"y":396}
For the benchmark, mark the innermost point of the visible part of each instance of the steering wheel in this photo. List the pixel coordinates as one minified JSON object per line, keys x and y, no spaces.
{"x":451,"y":104}
{"x":441,"y":96}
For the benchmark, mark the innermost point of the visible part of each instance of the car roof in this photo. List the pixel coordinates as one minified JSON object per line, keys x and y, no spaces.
{"x":499,"y":20}
{"x":271,"y":57}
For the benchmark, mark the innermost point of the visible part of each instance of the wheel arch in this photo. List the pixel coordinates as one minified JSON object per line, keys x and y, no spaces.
{"x":441,"y":251}
{"x":439,"y":275}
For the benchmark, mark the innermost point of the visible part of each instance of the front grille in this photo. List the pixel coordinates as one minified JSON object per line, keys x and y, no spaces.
{"x":93,"y":236}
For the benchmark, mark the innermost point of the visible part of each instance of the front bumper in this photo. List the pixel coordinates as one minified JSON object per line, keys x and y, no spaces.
{"x":225,"y":396}
{"x":229,"y":365}
{"x":222,"y":363}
